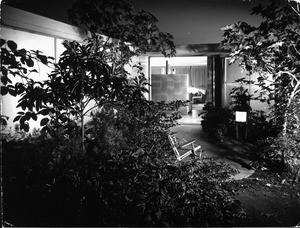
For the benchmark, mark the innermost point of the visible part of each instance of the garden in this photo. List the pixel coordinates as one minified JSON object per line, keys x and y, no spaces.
{"x":102,"y":156}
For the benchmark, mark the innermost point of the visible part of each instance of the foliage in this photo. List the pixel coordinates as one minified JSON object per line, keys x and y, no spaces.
{"x":217,"y":120}
{"x":19,"y":64}
{"x":220,"y":122}
{"x":117,"y":19}
{"x":260,"y":126}
{"x":240,"y":97}
{"x":280,"y":154}
{"x":87,"y":75}
{"x":272,"y":50}
{"x":120,"y":189}
{"x":127,"y":176}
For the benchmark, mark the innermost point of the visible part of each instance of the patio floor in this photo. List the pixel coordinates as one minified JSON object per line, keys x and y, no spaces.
{"x":230,"y":151}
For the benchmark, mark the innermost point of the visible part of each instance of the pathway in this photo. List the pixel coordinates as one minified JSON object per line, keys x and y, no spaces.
{"x":232,"y":152}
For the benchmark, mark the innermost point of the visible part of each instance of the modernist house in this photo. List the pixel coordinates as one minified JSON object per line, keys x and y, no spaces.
{"x":200,"y":72}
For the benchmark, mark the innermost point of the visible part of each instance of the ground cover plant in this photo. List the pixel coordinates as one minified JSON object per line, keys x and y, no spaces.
{"x":120,"y":179}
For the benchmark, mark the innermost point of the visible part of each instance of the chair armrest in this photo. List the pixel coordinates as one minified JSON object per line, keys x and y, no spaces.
{"x":187,"y":143}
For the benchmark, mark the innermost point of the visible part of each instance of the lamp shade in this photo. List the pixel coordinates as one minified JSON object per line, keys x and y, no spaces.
{"x":241,"y":116}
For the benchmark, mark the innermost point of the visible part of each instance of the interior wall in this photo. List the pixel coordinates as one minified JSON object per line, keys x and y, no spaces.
{"x":169,"y":87}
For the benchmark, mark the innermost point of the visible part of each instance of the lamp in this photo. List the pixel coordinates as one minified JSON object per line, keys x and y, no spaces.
{"x":241,"y":122}
{"x":241,"y":116}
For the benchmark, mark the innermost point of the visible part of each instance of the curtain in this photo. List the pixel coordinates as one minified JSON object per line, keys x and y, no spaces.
{"x":197,"y":74}
{"x":198,"y":77}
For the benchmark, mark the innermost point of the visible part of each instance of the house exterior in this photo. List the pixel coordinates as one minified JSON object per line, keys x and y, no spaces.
{"x":34,"y":32}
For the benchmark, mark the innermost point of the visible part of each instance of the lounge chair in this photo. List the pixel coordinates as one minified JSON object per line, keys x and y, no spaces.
{"x":185,"y":149}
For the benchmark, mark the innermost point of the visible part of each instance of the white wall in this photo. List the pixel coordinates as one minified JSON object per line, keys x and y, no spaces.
{"x":29,"y":41}
{"x":33,"y":32}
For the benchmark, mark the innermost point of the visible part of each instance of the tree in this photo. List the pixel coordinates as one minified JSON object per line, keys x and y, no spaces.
{"x":20,"y":64}
{"x":273,"y":50}
{"x":88,"y":75}
{"x":117,"y":19}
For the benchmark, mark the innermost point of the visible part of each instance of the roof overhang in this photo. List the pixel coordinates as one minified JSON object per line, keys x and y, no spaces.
{"x":197,"y":50}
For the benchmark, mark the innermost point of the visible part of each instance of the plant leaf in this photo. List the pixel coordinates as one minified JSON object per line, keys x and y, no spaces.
{"x":4,"y":90}
{"x":43,"y":59}
{"x":12,"y":45}
{"x":2,"y":42}
{"x":44,"y":121}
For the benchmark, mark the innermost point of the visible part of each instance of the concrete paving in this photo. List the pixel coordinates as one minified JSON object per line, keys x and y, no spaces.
{"x":230,"y":151}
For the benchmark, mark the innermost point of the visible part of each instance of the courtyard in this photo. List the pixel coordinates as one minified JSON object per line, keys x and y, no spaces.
{"x":92,"y":95}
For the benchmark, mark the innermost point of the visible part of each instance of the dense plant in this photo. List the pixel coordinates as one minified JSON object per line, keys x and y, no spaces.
{"x":136,"y":31}
{"x":127,"y":177}
{"x":217,"y":121}
{"x":118,"y":169}
{"x":17,"y":66}
{"x":240,"y":97}
{"x":260,"y":124}
{"x":279,"y":154}
{"x":272,"y":50}
{"x":220,"y":122}
{"x":87,"y":74}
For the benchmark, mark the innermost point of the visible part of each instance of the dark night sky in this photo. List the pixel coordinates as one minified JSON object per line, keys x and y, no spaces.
{"x":190,"y":21}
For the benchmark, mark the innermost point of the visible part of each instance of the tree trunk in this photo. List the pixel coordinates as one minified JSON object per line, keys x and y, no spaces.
{"x":82,"y":132}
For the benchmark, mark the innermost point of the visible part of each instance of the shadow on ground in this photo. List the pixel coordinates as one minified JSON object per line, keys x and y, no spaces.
{"x":268,"y":200}
{"x":230,"y":151}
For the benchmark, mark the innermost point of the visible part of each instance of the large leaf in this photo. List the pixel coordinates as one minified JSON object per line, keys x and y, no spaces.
{"x":43,"y":59}
{"x":44,"y":121}
{"x":44,"y":112}
{"x":12,"y":45}
{"x":24,"y":126}
{"x":2,"y":42}
{"x":29,"y":62}
{"x":17,"y":118}
{"x":5,"y":80}
{"x":33,"y":116}
{"x":4,"y":90}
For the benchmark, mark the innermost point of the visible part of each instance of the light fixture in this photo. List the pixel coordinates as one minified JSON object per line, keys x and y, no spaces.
{"x":241,"y":116}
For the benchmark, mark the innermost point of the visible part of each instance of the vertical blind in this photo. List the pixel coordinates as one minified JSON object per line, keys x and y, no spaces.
{"x":198,"y":77}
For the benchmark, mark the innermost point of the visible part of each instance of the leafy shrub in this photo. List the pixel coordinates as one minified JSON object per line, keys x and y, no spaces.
{"x":280,"y":153}
{"x":130,"y":179}
{"x":144,"y":188}
{"x":218,"y":122}
{"x":240,"y":97}
{"x":260,"y":126}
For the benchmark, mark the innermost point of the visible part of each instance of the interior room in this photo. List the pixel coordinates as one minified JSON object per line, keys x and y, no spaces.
{"x":181,"y":78}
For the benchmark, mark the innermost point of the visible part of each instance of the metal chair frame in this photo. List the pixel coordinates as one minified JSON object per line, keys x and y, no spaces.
{"x":181,"y":151}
